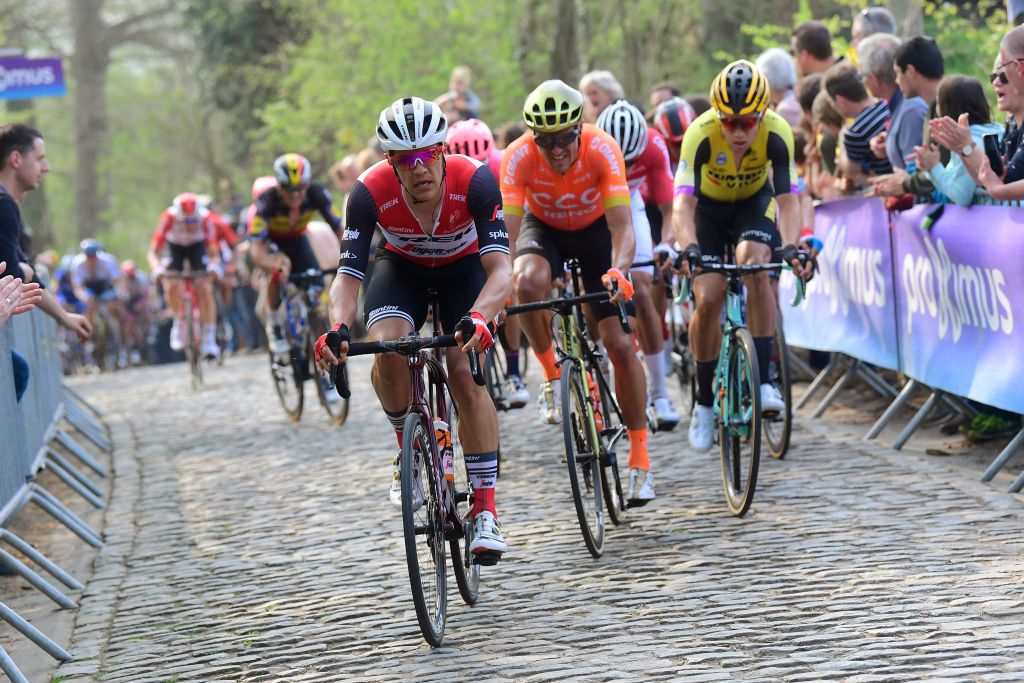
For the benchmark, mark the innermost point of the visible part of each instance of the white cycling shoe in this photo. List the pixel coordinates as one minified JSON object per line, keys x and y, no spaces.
{"x":395,"y":494}
{"x":702,"y":428}
{"x":487,"y":536}
{"x":518,"y":394}
{"x":665,"y":416}
{"x":771,"y":400}
{"x":177,"y":339}
{"x":550,"y":402}
{"x":641,"y":487}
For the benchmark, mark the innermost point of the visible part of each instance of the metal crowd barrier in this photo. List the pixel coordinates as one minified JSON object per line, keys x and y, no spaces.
{"x":29,"y":430}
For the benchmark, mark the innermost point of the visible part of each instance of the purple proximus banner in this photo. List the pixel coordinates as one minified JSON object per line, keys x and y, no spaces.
{"x":849,"y":307}
{"x":961,"y":299}
{"x":22,"y":79}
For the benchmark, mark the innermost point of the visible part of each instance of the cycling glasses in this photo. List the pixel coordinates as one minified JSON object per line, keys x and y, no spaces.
{"x":296,"y":189}
{"x":1000,"y":76}
{"x":744,"y":123}
{"x":420,"y":156}
{"x":552,"y":140}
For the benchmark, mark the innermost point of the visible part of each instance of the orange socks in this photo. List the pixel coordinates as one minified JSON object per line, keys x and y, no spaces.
{"x":548,"y":363}
{"x":638,"y":449}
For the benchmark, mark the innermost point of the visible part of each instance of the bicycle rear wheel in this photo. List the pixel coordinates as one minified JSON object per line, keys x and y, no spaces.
{"x":582,"y":455}
{"x":739,"y":427}
{"x":778,"y":428}
{"x":494,"y":378}
{"x":611,"y":482}
{"x":424,"y":533}
{"x":287,"y":376}
{"x":335,"y":405}
{"x":467,"y":572}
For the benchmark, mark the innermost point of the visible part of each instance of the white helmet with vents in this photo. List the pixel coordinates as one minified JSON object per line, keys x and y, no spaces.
{"x":411,"y":123}
{"x":625,"y":122}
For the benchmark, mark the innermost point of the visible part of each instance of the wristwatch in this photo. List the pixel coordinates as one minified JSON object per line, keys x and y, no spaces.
{"x":967,"y":151}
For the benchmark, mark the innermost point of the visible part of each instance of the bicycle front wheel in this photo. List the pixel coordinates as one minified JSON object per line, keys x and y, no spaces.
{"x":583,"y":456}
{"x":467,"y":572}
{"x":287,"y":375}
{"x":739,"y":426}
{"x":778,"y":428}
{"x":423,"y":529}
{"x":192,"y":354}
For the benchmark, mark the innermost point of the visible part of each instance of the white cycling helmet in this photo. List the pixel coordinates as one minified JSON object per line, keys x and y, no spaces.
{"x":625,"y":122}
{"x":411,"y":123}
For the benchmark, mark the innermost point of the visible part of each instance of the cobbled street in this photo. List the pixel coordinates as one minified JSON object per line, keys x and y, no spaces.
{"x":246,"y":547}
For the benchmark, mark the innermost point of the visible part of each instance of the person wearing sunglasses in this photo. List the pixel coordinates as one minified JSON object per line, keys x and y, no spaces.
{"x":566,"y":195}
{"x":277,"y":233}
{"x":735,"y":170}
{"x":443,"y":229}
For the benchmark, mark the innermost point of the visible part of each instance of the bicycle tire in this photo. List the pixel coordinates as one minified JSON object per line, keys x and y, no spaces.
{"x":467,"y":578}
{"x":423,"y":530}
{"x":191,"y":347}
{"x":740,"y":423}
{"x":778,"y":430}
{"x":284,"y":377}
{"x":611,"y":481}
{"x":581,"y":456}
{"x":494,"y":379}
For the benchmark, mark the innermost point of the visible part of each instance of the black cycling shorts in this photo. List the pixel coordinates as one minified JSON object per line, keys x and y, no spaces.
{"x":591,"y":246}
{"x":194,"y":254}
{"x":297,"y":249}
{"x":400,"y":288}
{"x":655,"y":218}
{"x":748,"y":220}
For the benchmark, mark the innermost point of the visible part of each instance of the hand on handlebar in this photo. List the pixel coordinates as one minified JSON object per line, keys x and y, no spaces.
{"x":688,"y":261}
{"x":800,"y":260}
{"x":624,"y":290}
{"x":331,"y":348}
{"x":482,"y":338}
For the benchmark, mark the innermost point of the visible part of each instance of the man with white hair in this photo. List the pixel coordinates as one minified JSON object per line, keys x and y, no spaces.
{"x":777,"y":66}
{"x":906,"y":127}
{"x":600,"y":89}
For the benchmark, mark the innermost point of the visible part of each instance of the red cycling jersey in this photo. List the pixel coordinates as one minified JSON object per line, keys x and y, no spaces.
{"x":174,"y":229}
{"x":651,"y":172}
{"x":469,"y":220}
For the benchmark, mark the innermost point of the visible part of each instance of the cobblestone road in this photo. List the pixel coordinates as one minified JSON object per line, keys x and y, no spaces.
{"x":244,"y":547}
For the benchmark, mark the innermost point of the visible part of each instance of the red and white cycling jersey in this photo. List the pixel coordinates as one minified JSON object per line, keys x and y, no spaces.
{"x":174,"y":229}
{"x":651,"y":172}
{"x":469,"y":220}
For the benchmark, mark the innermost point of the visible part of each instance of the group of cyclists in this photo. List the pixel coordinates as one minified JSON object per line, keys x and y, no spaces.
{"x":482,"y":233}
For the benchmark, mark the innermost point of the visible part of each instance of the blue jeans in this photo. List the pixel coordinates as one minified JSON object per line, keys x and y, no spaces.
{"x":20,"y":374}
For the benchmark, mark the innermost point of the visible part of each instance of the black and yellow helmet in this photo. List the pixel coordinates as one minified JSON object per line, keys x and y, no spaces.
{"x":740,"y":90}
{"x":552,"y":107}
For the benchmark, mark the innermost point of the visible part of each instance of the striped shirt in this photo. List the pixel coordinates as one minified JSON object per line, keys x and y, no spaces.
{"x":857,"y":138}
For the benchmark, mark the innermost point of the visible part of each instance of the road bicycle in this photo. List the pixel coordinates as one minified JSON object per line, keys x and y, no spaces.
{"x":737,"y":384}
{"x":592,"y":422}
{"x":439,"y":479}
{"x":304,"y":322}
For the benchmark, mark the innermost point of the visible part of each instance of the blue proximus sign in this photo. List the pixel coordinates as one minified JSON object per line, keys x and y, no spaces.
{"x":22,"y":79}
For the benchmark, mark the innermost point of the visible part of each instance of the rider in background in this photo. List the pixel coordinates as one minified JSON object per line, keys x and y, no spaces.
{"x":134,"y":291}
{"x":647,"y":166}
{"x":474,"y":139}
{"x":95,"y":274}
{"x":278,"y":233}
{"x":188,"y":233}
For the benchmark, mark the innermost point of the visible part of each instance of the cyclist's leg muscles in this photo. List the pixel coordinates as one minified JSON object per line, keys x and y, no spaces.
{"x":535,"y":256}
{"x":756,"y":239}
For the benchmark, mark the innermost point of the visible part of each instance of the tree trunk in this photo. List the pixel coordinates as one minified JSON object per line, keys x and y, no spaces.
{"x":565,"y":58}
{"x":89,"y":70}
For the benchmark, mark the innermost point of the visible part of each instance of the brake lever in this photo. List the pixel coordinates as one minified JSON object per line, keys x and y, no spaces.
{"x":468,"y":328}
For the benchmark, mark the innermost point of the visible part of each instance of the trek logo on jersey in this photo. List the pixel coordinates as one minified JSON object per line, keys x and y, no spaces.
{"x":720,"y":159}
{"x":350,"y":235}
{"x":387,"y":205}
{"x":457,"y":197}
{"x":498,"y":214}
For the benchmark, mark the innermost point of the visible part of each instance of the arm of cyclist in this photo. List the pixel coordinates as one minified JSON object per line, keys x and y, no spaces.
{"x":620,"y":224}
{"x":483,"y":198}
{"x":684,"y":225}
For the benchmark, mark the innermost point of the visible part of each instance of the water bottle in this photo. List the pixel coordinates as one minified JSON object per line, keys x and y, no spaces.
{"x":444,"y":445}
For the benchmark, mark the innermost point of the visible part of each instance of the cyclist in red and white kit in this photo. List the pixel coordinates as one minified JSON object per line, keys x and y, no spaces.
{"x":474,"y":139}
{"x":647,"y":169}
{"x":443,"y":228}
{"x":185,"y":227}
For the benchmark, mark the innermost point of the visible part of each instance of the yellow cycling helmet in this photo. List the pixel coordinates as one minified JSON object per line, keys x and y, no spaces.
{"x":553,"y":106}
{"x":740,"y":90}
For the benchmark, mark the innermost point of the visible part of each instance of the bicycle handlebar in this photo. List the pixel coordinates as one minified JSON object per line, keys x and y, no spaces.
{"x":733,"y":270}
{"x":405,"y":346}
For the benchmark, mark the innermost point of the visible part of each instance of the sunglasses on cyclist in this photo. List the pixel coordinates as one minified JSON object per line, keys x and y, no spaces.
{"x":419,"y":156}
{"x":293,"y":190}
{"x":1000,"y":76}
{"x":743,"y":123}
{"x":552,"y":140}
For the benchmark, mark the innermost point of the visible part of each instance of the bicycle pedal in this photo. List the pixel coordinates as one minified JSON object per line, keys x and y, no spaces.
{"x":486,"y":558}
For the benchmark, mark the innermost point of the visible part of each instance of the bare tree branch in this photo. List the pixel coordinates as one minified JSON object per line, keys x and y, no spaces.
{"x":130,"y":28}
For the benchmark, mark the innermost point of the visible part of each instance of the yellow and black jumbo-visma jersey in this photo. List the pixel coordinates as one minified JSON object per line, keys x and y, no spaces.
{"x":708,"y":170}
